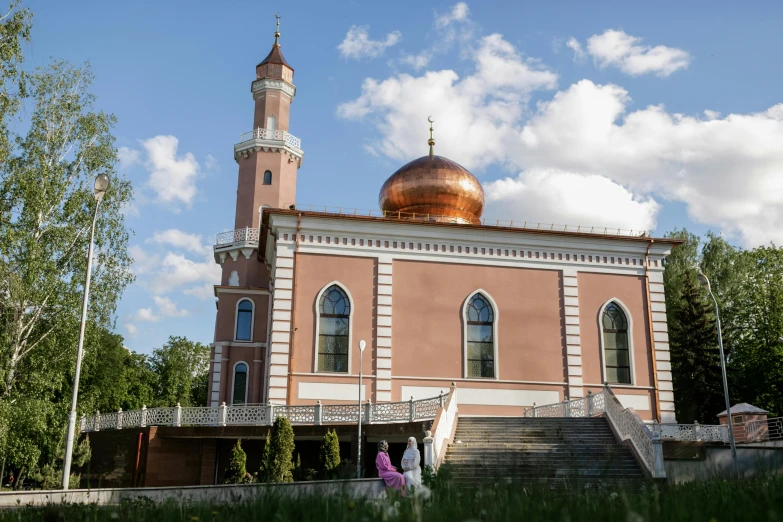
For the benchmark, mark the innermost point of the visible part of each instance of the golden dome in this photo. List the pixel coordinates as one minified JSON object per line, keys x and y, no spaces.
{"x":434,"y":186}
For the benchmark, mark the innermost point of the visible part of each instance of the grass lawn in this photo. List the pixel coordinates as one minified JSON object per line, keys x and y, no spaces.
{"x":757,"y":499}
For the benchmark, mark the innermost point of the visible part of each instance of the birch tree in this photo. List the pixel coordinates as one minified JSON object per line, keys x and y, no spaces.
{"x":46,"y":187}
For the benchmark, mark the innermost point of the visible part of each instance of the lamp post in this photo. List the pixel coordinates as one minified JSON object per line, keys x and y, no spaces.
{"x":362,"y":345}
{"x":101,"y":184}
{"x":705,"y":283}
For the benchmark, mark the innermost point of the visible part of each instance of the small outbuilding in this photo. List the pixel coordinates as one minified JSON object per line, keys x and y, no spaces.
{"x":749,"y":422}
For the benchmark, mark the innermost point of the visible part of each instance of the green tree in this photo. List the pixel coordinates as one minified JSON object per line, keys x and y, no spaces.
{"x":695,"y":358}
{"x":758,"y":357}
{"x":181,"y":365}
{"x":15,"y":27}
{"x":46,"y":188}
{"x":278,"y":461}
{"x":237,"y":467}
{"x":266,"y":458}
{"x":329,"y":456}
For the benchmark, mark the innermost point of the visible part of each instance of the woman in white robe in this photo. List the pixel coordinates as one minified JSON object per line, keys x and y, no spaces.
{"x":410,"y":464}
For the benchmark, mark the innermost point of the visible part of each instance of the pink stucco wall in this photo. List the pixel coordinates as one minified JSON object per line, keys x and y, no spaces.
{"x":427,"y":324}
{"x":594,"y":291}
{"x":358,"y":275}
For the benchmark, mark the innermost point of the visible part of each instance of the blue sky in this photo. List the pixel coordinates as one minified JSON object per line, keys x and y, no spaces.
{"x":568,"y":112}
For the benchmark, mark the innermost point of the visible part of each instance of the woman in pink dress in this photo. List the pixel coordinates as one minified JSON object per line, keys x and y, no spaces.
{"x":386,"y":471}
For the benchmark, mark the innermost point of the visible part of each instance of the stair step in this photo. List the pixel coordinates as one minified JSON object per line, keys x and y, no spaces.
{"x":554,"y":451}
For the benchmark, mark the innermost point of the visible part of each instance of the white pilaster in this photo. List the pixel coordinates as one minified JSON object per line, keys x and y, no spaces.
{"x":217,"y":364}
{"x":573,"y":336}
{"x":663,"y":368}
{"x":383,"y":329}
{"x":280,"y":338}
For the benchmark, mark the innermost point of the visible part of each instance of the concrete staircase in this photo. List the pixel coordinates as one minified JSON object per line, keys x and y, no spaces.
{"x":556,"y":451}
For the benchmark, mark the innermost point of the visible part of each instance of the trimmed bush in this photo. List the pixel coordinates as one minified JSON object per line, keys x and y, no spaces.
{"x":329,"y":457}
{"x":237,"y":467}
{"x":278,"y":461}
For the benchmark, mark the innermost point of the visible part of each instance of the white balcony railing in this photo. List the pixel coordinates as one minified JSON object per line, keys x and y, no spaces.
{"x":265,"y":414}
{"x":271,"y":135}
{"x":240,"y":235}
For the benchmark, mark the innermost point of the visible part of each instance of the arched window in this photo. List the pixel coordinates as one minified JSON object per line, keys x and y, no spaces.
{"x":239,"y":395}
{"x":244,"y":330}
{"x":267,"y":177}
{"x":616,"y":349}
{"x":333,"y":330}
{"x":480,"y":319}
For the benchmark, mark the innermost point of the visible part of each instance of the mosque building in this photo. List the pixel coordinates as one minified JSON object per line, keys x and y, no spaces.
{"x":514,"y":314}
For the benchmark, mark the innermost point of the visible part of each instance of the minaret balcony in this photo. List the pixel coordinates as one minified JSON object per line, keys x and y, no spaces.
{"x":269,"y":140}
{"x":234,"y":242}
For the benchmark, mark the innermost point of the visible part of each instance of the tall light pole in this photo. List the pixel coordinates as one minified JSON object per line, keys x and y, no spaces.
{"x":362,"y":345}
{"x":705,"y":283}
{"x":101,"y":184}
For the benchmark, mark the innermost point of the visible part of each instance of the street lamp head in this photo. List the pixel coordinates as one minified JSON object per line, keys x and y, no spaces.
{"x":362,"y":345}
{"x":704,"y":282}
{"x":101,"y":184}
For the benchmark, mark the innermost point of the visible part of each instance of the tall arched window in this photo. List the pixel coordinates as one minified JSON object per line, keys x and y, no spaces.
{"x":244,"y":328}
{"x":480,"y":320}
{"x":239,"y":395}
{"x":333,"y":330}
{"x":616,"y":350}
{"x":268,"y":177}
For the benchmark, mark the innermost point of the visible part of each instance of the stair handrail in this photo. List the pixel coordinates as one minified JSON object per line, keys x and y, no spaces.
{"x":441,"y":433}
{"x":628,"y":426}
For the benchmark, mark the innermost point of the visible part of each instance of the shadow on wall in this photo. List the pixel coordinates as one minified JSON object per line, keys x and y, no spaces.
{"x":697,"y":461}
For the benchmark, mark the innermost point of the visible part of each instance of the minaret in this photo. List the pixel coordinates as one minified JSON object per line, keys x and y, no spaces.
{"x":268,"y":156}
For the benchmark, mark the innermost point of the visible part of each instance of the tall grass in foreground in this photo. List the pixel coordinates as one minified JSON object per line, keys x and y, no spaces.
{"x":757,"y":499}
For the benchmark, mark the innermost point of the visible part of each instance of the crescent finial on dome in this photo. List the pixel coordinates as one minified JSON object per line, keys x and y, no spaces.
{"x":431,"y":141}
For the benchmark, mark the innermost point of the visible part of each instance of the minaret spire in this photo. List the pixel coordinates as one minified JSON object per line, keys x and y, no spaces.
{"x":431,"y":141}
{"x":277,"y":30}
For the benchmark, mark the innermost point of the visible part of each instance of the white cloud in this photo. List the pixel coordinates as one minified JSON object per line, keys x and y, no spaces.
{"x":211,"y":163}
{"x":128,"y":157}
{"x":728,"y":171}
{"x":165,"y":308}
{"x":576,"y":47}
{"x":176,"y":270}
{"x":582,"y":156}
{"x":179,"y":239}
{"x":569,"y":198}
{"x":204,"y":292}
{"x":475,"y":115}
{"x":172,"y":178}
{"x":618,"y":49}
{"x":143,"y":261}
{"x":357,"y":43}
{"x":417,"y":61}
{"x":457,"y":13}
{"x":168,"y":308}
{"x":145,"y":315}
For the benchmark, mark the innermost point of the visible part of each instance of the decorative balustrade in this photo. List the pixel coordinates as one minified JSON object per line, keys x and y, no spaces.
{"x":763,"y":430}
{"x":240,"y":235}
{"x":692,"y":432}
{"x":271,"y":135}
{"x":436,"y":441}
{"x":265,"y":414}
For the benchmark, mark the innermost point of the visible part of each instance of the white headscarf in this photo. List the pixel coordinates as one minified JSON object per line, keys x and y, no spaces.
{"x":411,"y":452}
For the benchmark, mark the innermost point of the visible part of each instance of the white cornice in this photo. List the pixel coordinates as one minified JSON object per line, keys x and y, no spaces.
{"x":267,"y":84}
{"x":488,"y":236}
{"x":240,"y":290}
{"x":246,"y":148}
